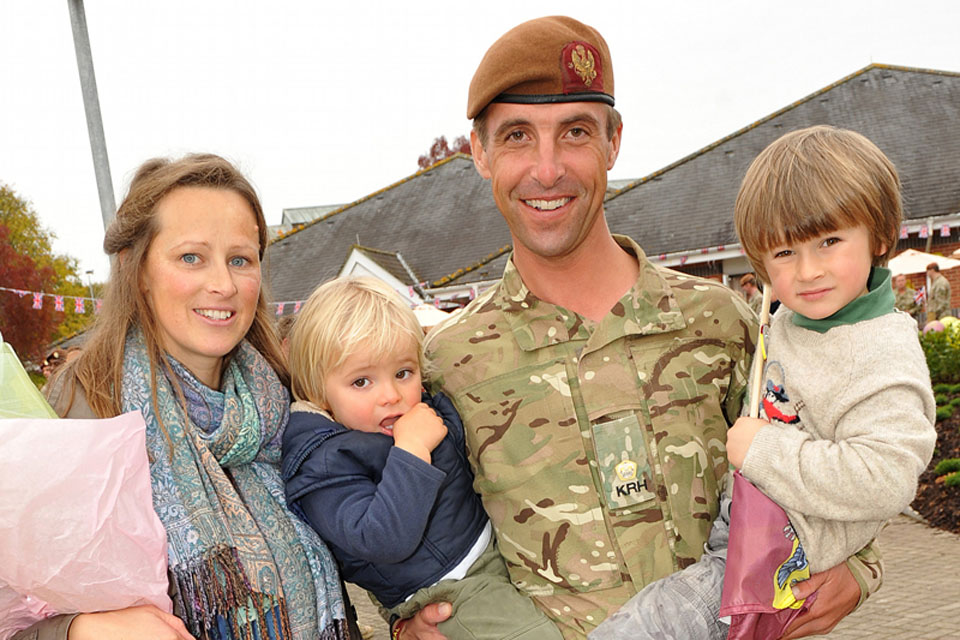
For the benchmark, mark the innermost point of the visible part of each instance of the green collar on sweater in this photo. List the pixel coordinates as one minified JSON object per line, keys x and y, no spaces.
{"x":878,"y":301}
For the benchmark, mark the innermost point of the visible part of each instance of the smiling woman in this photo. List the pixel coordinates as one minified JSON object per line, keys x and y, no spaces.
{"x":202,"y":276}
{"x":184,"y":337}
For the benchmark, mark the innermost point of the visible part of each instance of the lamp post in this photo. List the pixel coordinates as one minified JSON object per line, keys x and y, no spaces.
{"x":90,"y":282}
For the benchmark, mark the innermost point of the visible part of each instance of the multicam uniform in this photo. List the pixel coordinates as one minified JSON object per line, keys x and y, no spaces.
{"x":906,"y":300}
{"x":756,"y":302}
{"x":938,"y":303}
{"x":598,"y":447}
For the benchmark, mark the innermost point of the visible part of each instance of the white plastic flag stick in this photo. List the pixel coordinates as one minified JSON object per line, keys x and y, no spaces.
{"x":760,"y":355}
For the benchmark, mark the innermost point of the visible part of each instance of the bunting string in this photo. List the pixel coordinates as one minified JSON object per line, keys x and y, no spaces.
{"x":81,"y":304}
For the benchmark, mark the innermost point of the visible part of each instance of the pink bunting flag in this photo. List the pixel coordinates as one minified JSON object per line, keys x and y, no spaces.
{"x":38,"y":301}
{"x":280,"y":306}
{"x":296,"y":307}
{"x":78,"y":306}
{"x":945,"y":230}
{"x":904,"y":234}
{"x":97,"y":304}
{"x":58,"y":303}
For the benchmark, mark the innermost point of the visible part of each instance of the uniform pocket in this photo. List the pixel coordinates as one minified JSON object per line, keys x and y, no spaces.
{"x":623,"y":463}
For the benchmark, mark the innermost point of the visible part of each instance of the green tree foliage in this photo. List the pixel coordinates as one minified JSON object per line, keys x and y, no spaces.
{"x":25,"y":236}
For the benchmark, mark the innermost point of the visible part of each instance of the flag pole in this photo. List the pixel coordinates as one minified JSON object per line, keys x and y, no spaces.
{"x":760,"y":355}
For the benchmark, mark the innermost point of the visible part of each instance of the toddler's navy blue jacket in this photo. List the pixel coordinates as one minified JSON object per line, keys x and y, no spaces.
{"x":394,"y":522}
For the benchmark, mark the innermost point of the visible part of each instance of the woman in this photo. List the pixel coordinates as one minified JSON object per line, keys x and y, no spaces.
{"x":185,"y":337}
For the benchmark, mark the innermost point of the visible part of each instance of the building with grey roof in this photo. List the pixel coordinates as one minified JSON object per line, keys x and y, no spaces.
{"x":438,"y":235}
{"x":682,"y":215}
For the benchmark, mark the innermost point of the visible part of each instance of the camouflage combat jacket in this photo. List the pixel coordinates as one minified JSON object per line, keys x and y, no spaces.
{"x":599,"y":448}
{"x":938,"y":304}
{"x":905,"y":300}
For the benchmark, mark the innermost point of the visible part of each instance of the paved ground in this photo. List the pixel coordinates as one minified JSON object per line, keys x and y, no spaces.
{"x":920,"y":598}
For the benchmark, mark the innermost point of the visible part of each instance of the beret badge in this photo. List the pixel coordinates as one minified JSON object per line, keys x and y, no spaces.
{"x":582,"y":61}
{"x":581,"y":68}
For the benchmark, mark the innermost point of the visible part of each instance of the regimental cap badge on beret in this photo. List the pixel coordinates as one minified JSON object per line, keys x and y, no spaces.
{"x":543,"y":61}
{"x":581,"y":68}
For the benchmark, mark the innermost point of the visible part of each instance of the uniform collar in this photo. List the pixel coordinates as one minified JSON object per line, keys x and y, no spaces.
{"x":649,"y":307}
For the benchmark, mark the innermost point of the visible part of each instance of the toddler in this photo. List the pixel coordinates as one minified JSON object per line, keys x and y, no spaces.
{"x":378,"y":468}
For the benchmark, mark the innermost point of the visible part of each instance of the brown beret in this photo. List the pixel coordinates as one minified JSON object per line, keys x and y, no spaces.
{"x":554,"y":59}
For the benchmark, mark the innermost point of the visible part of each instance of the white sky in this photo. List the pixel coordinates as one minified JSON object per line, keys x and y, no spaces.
{"x":324,"y":103}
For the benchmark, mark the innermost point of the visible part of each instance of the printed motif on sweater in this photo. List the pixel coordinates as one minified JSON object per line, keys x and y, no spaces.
{"x":777,"y":405}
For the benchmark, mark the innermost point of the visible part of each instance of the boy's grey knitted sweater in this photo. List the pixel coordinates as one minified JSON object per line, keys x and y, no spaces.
{"x":852,"y":415}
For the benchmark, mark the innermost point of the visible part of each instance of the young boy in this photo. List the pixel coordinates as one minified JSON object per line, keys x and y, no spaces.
{"x":379,"y":469}
{"x":847,"y":411}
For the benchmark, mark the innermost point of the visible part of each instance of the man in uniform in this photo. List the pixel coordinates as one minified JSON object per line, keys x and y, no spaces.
{"x":905,"y":296}
{"x":596,"y":389}
{"x":938,"y":299}
{"x":751,"y":292}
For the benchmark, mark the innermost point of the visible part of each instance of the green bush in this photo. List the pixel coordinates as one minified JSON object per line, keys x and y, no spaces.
{"x":954,"y":388}
{"x":941,"y":399}
{"x":947,"y":466}
{"x":953,"y":403}
{"x":943,"y":388}
{"x":952,"y":480}
{"x":942,"y":350}
{"x":944,"y":413}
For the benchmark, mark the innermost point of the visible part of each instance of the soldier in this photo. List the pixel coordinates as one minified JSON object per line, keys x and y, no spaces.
{"x":596,"y":388}
{"x":905,"y":296}
{"x":751,"y":292}
{"x":938,"y":300}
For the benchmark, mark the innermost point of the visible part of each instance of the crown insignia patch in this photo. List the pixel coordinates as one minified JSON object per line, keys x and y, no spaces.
{"x":626,"y":470}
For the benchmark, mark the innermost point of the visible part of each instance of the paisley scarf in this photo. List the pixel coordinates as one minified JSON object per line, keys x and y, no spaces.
{"x":244,"y":566}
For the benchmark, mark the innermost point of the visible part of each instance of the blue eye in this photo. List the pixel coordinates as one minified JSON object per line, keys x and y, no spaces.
{"x":238,"y":261}
{"x":190,"y":258}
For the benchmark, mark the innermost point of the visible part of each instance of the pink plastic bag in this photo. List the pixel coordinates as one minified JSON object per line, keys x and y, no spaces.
{"x":77,"y":527}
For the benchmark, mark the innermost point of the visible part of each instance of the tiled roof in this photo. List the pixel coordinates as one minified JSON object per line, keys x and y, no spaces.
{"x":913,"y":115}
{"x":442,"y":220}
{"x":444,"y":223}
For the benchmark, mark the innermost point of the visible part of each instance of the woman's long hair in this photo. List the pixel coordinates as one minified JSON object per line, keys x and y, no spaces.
{"x":99,"y":370}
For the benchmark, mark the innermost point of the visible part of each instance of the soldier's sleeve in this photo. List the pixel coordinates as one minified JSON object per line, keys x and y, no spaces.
{"x":54,"y":628}
{"x":867,"y":568}
{"x":743,"y":337}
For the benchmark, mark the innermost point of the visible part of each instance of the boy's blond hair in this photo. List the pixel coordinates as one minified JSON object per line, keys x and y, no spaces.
{"x":814,"y":181}
{"x":341,"y":316}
